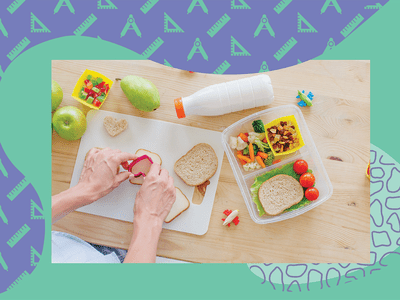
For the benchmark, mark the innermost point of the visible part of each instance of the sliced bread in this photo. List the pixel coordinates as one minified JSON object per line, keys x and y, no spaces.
{"x":279,"y":193}
{"x":180,"y":205}
{"x":113,"y":126}
{"x":198,"y":165}
{"x":144,"y":166}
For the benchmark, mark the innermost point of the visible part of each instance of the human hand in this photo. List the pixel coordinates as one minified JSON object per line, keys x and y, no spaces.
{"x":156,"y":196}
{"x":100,"y":172}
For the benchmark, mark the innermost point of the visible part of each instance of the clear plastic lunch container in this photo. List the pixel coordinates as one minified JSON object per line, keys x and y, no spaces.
{"x":308,"y":152}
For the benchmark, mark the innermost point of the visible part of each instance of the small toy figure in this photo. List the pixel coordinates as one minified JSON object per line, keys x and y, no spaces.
{"x":232,"y":216}
{"x":305,"y":99}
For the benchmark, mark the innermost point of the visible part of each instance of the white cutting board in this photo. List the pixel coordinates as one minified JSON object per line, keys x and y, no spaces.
{"x":170,"y":141}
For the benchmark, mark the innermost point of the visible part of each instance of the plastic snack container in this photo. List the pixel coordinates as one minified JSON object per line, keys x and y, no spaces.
{"x":79,"y":85}
{"x":308,"y":152}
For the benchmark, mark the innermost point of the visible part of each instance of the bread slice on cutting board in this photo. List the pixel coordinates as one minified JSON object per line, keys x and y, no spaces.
{"x":279,"y":193}
{"x":114,"y":126}
{"x":144,"y":165}
{"x":180,"y":205}
{"x":198,"y":165}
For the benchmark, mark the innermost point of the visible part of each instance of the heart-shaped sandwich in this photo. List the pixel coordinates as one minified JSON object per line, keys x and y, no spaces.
{"x":114,"y":126}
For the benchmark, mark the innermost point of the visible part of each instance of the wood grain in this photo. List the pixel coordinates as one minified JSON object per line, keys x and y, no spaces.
{"x":336,"y":231}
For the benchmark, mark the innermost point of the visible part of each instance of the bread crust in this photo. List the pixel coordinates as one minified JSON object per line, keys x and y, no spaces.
{"x":182,"y":210}
{"x":289,"y":204}
{"x":214,"y":171}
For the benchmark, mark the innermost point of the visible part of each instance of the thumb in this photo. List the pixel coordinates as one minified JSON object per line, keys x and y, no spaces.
{"x":122,"y":176}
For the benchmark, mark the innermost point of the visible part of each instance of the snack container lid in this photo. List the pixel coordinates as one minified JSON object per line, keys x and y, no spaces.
{"x":308,"y":152}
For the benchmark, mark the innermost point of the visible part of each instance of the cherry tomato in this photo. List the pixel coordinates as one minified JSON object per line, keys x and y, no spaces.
{"x":307,"y":180}
{"x":300,"y":166}
{"x":312,"y":193}
{"x":96,"y":103}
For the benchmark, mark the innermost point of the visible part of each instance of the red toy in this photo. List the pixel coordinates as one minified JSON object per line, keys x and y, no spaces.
{"x":235,"y":221}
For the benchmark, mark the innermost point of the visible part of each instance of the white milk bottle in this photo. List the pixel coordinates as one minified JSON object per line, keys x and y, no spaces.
{"x":227,"y":97}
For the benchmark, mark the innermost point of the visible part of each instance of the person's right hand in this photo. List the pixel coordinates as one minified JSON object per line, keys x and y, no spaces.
{"x":155,"y":198}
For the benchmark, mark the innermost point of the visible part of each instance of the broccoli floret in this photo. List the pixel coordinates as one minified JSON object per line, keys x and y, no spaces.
{"x":246,"y":151}
{"x":258,"y":126}
{"x":255,"y":147}
{"x":262,"y":146}
{"x":268,"y":161}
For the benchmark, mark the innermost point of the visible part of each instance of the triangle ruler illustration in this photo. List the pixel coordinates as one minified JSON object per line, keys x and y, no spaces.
{"x":109,"y":5}
{"x":235,"y":43}
{"x":36,"y":208}
{"x":34,"y":20}
{"x":167,"y":20}
{"x":197,"y":3}
{"x":34,"y":254}
{"x":242,"y":5}
{"x":301,"y":20}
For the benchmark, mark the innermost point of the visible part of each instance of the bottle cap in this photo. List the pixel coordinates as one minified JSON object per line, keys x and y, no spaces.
{"x":180,"y":112}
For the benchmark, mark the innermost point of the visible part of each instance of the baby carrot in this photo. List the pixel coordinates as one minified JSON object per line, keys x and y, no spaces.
{"x":277,"y":161}
{"x":260,"y":161}
{"x":242,"y":157}
{"x":242,"y":162}
{"x":251,"y":151}
{"x":262,"y":154}
{"x":243,"y":137}
{"x":239,"y":152}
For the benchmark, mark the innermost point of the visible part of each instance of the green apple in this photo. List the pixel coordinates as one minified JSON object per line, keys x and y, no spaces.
{"x":56,"y":95}
{"x":69,"y":122}
{"x":142,"y":93}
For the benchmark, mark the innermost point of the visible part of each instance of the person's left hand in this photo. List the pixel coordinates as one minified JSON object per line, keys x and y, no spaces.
{"x":100,"y":171}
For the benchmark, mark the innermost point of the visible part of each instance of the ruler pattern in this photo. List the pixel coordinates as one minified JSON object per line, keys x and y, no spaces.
{"x":254,"y":24}
{"x":21,"y":224}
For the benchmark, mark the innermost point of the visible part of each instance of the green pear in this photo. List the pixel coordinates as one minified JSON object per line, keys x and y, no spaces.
{"x":142,"y":93}
{"x":56,"y":95}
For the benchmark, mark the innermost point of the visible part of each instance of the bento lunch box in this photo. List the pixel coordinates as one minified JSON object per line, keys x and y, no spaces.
{"x":308,"y":152}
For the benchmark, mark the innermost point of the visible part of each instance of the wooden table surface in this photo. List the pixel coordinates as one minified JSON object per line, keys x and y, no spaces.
{"x":336,"y":231}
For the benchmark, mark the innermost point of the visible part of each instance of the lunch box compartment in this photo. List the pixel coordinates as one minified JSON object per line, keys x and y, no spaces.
{"x":308,"y":152}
